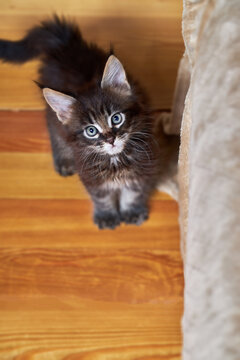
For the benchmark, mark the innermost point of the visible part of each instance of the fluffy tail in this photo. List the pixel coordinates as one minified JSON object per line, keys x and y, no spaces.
{"x":48,"y":36}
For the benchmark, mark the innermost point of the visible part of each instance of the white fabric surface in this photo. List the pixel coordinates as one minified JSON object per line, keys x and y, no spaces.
{"x":210,"y":182}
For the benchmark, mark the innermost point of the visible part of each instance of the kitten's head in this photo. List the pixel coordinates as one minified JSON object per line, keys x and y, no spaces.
{"x":108,"y":118}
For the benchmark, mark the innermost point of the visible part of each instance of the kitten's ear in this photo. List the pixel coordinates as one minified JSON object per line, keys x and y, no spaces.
{"x":62,"y":104}
{"x":114,"y":76}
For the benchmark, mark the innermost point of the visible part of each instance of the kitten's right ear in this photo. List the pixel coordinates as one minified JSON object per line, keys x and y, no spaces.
{"x":114,"y":76}
{"x":62,"y":104}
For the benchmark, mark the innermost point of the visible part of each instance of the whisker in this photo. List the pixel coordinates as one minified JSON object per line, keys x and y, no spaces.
{"x":147,"y":151}
{"x":148,"y":135}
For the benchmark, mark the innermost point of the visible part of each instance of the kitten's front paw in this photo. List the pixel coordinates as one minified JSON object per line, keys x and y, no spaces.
{"x":65,"y":167}
{"x":136,"y":215}
{"x":106,"y":220}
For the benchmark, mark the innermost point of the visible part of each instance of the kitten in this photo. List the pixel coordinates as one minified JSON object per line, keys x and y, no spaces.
{"x":99,"y":121}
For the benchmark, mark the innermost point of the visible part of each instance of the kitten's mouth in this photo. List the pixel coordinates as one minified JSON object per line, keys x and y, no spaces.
{"x":112,"y":149}
{"x":115,"y":148}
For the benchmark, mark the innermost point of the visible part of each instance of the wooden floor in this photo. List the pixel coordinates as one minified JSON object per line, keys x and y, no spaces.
{"x":67,"y":290}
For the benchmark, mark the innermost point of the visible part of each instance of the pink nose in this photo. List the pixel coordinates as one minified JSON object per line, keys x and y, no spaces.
{"x":110,"y":139}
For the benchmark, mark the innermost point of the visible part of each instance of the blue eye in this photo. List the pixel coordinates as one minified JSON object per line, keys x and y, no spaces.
{"x":117,"y":119}
{"x":91,"y":131}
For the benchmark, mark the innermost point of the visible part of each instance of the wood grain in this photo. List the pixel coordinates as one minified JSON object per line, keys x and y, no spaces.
{"x":64,"y":223}
{"x":23,"y":131}
{"x":146,"y":36}
{"x":135,"y":8}
{"x":89,"y":330}
{"x":128,"y":276}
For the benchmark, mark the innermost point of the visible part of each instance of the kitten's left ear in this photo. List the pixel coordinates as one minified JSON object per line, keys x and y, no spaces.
{"x":114,"y":76}
{"x":61,"y":103}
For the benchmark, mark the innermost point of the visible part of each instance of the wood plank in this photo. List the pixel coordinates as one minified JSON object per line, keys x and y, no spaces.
{"x":32,"y":176}
{"x":68,"y":223}
{"x":17,"y":90}
{"x":123,"y":8}
{"x":29,"y":176}
{"x":125,"y":276}
{"x":89,"y":330}
{"x":23,"y":131}
{"x":150,"y":46}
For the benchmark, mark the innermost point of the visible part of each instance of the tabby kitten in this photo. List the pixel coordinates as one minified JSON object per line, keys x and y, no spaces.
{"x":98,"y":120}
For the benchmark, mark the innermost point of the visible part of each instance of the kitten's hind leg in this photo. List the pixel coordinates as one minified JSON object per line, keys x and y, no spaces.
{"x":62,"y":153}
{"x":133,"y":206}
